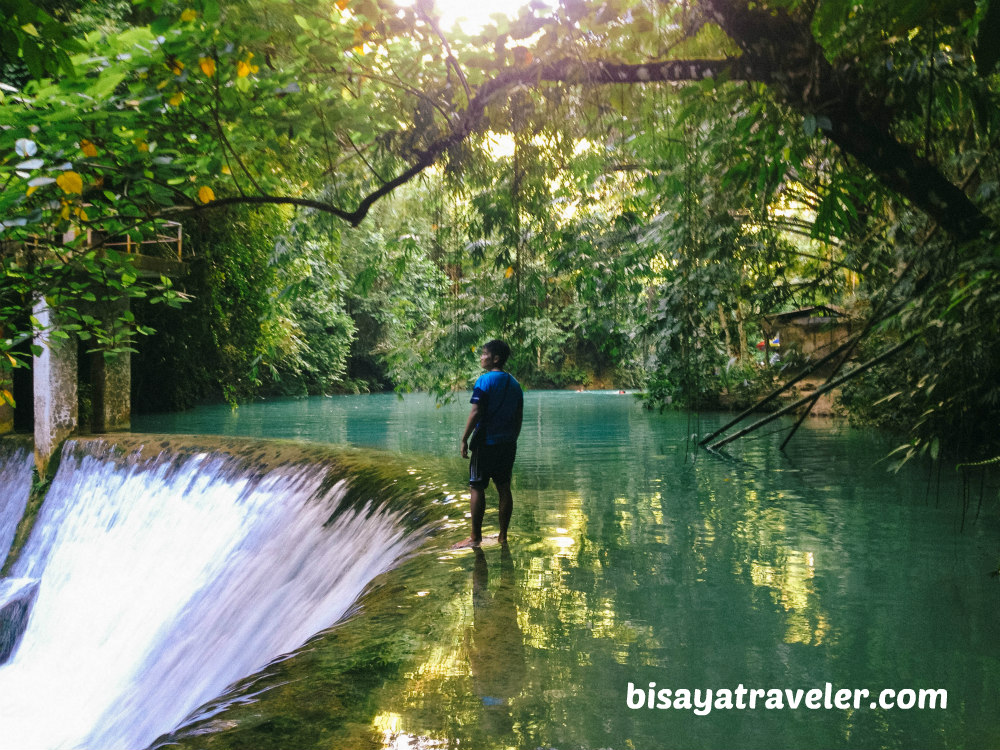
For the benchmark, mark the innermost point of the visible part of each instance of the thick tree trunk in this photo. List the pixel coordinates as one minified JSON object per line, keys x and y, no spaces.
{"x":779,"y":50}
{"x":782,"y":52}
{"x":725,"y":332}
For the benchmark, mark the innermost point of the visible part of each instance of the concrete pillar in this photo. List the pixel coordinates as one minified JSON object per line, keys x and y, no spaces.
{"x":111,"y":379}
{"x":55,"y":371}
{"x":6,"y":415}
{"x":111,"y":384}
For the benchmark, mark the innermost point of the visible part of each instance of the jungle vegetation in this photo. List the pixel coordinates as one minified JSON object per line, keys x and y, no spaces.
{"x":623,"y":188}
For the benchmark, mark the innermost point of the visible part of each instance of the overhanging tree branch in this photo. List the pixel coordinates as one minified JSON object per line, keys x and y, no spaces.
{"x":465,"y":123}
{"x":777,"y":50}
{"x":829,"y":386}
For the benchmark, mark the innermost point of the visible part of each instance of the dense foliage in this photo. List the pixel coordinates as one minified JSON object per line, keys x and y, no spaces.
{"x":622,"y":188}
{"x":214,"y":346}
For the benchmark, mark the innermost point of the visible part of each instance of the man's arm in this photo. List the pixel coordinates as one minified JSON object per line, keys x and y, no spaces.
{"x":518,"y":418}
{"x":470,"y":424}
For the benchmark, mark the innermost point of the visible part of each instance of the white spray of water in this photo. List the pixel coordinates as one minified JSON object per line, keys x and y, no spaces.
{"x":15,"y":484}
{"x":160,"y":585}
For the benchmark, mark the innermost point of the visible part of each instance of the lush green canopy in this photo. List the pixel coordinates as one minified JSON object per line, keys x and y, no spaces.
{"x":333,"y":105}
{"x":675,"y":170}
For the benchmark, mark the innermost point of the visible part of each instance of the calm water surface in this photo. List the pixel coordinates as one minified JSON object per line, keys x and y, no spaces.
{"x":636,"y":560}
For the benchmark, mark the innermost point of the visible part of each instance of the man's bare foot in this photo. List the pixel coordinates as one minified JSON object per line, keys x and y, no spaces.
{"x":502,"y":538}
{"x":470,"y":542}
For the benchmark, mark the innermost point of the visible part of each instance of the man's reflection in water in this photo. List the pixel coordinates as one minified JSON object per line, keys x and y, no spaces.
{"x":496,"y":651}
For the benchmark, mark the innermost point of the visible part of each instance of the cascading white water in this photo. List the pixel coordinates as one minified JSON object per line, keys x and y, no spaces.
{"x":162,"y":582}
{"x":15,"y":485}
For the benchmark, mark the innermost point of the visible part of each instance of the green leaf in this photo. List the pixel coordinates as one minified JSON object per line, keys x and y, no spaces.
{"x":107,"y":84}
{"x":31,"y":53}
{"x":161,"y":24}
{"x":809,"y":124}
{"x":210,"y":11}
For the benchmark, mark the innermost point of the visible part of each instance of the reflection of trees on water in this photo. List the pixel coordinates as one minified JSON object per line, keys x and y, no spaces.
{"x":495,"y":643}
{"x":649,"y":567}
{"x":633,"y":563}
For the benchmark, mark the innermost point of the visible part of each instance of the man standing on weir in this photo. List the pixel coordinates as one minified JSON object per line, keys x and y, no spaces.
{"x":496,"y":415}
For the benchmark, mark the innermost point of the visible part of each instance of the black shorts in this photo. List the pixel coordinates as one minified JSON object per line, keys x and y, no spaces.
{"x":494,"y":462}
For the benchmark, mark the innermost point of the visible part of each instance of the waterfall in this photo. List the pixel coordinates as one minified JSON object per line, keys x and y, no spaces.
{"x":16,"y":460}
{"x":161,"y":577}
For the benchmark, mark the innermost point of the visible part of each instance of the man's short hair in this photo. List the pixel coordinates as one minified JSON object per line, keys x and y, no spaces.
{"x":499,"y":349}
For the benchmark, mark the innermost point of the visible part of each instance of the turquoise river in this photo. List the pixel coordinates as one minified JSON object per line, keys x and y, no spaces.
{"x":637,"y":560}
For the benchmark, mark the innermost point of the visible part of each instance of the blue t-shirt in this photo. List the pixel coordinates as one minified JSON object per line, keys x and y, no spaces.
{"x":498,"y":409}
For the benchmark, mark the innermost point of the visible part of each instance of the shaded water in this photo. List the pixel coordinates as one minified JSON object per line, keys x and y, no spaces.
{"x":635,"y":560}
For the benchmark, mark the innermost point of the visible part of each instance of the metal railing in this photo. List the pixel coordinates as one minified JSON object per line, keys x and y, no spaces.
{"x":162,"y":240}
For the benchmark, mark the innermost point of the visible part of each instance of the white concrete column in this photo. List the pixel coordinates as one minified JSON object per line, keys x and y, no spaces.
{"x":55,"y":374}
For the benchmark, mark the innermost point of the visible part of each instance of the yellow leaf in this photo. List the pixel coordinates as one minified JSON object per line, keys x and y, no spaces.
{"x":70,"y":182}
{"x":206,"y":194}
{"x":81,"y":214}
{"x":242,"y":69}
{"x":189,"y":14}
{"x":161,"y":85}
{"x":141,"y":145}
{"x":226,"y":169}
{"x":342,"y":4}
{"x":176,"y":99}
{"x":64,"y":213}
{"x":207,"y":66}
{"x":177,"y":67}
{"x":7,"y":395}
{"x":254,"y":68}
{"x":88,"y":148}
{"x":509,"y":272}
{"x":31,"y":189}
